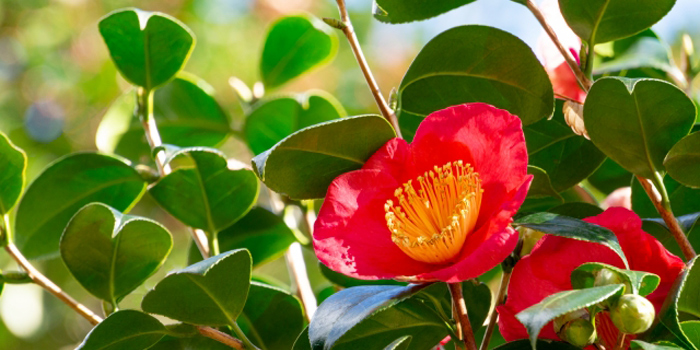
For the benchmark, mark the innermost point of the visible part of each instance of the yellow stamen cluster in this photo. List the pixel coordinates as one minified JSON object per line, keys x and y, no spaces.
{"x":431,"y":222}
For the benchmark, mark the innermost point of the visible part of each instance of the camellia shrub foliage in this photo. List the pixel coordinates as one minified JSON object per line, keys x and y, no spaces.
{"x":485,"y":164}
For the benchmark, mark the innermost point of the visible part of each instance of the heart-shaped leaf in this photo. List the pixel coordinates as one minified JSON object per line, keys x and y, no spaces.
{"x":209,"y":196}
{"x":124,"y":330}
{"x":637,"y":121}
{"x":271,"y":318}
{"x":13,"y":163}
{"x":63,"y":188}
{"x":294,"y":45}
{"x":489,"y":65}
{"x":402,"y":11}
{"x":148,"y":48}
{"x":683,"y":161}
{"x":260,"y":231}
{"x":642,"y":283}
{"x":123,"y":250}
{"x":211,"y":292}
{"x":272,"y":120}
{"x":185,"y":110}
{"x":537,"y":316}
{"x":564,"y":226}
{"x":599,"y":21}
{"x":303,"y":165}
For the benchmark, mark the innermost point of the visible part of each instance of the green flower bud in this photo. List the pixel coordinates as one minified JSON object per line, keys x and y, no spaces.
{"x":606,"y":277}
{"x":530,"y":238}
{"x":632,"y":314}
{"x":579,"y":332}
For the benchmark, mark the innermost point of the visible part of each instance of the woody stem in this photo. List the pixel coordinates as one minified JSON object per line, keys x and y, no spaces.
{"x":500,"y":298}
{"x":459,"y":313}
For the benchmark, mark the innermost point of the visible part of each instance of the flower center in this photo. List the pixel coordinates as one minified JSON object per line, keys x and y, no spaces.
{"x":431,"y":222}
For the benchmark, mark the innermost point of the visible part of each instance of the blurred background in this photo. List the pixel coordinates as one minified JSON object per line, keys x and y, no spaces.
{"x":56,"y":82}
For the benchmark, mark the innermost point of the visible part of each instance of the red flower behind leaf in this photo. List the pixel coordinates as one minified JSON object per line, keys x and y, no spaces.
{"x":547,"y":270}
{"x":448,"y":197}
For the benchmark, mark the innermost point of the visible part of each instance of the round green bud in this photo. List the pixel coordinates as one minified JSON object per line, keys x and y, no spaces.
{"x":605,"y":277}
{"x":579,"y":332}
{"x":632,"y":314}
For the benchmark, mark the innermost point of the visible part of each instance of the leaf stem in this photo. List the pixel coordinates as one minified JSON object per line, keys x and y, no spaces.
{"x":581,"y":77}
{"x":144,"y":110}
{"x":500,"y":299}
{"x":663,"y":206}
{"x":239,"y":333}
{"x":346,"y":26}
{"x":221,"y":337}
{"x":459,"y":310}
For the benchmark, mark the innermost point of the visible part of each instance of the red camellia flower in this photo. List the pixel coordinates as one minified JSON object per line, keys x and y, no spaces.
{"x":547,"y":270}
{"x":436,"y":209}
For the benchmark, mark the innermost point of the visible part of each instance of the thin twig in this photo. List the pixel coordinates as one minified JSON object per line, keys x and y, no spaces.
{"x":461,"y":316}
{"x":500,"y":298}
{"x":663,"y":206}
{"x":297,"y":270}
{"x":620,"y":341}
{"x":583,"y":81}
{"x":51,"y":287}
{"x":221,"y":337}
{"x":144,"y":110}
{"x":346,"y":27}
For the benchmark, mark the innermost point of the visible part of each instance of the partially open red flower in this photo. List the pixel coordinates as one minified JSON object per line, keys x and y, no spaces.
{"x":547,"y":270}
{"x":562,"y":77}
{"x":436,"y":209}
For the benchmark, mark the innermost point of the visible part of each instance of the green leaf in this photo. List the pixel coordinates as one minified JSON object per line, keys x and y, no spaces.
{"x":684,"y":200}
{"x":272,"y":120}
{"x":123,"y":250}
{"x":599,"y":21}
{"x":688,"y":300}
{"x":692,"y":331}
{"x":13,"y":162}
{"x":542,"y":344}
{"x":566,"y":157}
{"x":124,"y":330}
{"x":63,"y":188}
{"x":683,"y":161}
{"x":638,"y":344}
{"x":642,"y":51}
{"x":346,"y":282}
{"x":541,"y":185}
{"x":260,"y":231}
{"x":209,"y":195}
{"x":690,"y":224}
{"x":400,"y":344}
{"x":148,"y":48}
{"x":610,"y":176}
{"x":637,"y":121}
{"x":642,"y":283}
{"x":489,"y":65}
{"x":303,"y":342}
{"x":559,"y":225}
{"x":185,"y":110}
{"x":303,"y":165}
{"x":211,"y":292}
{"x":369,"y":317}
{"x":537,"y":316}
{"x":271,"y":318}
{"x":294,"y":45}
{"x":403,"y":11}
{"x":577,"y":210}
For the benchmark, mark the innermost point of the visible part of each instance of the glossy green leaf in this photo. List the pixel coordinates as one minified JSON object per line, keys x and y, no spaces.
{"x":637,"y":121}
{"x":542,"y":344}
{"x":402,"y":11}
{"x":537,"y":316}
{"x":185,"y":110}
{"x":294,"y":45}
{"x":148,"y":48}
{"x":13,"y":163}
{"x":689,"y":223}
{"x":63,"y":188}
{"x":303,"y":165}
{"x":692,"y":331}
{"x":369,"y":317}
{"x":683,"y":161}
{"x":566,"y":157}
{"x":541,"y":185}
{"x":599,"y":21}
{"x":642,"y":283}
{"x":211,"y":292}
{"x":124,"y":330}
{"x":272,"y":120}
{"x":477,"y":297}
{"x":638,"y":344}
{"x":489,"y":65}
{"x":209,"y":195}
{"x":400,"y":344}
{"x":260,"y":231}
{"x":577,"y":210}
{"x":271,"y":318}
{"x":303,"y":342}
{"x":123,"y":250}
{"x":344,"y":281}
{"x":688,"y":300}
{"x":684,"y":200}
{"x":559,"y":225}
{"x":186,"y":337}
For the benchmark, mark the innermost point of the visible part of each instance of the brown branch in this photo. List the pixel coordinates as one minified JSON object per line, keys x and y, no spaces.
{"x":663,"y":206}
{"x":221,"y":337}
{"x":464,"y":328}
{"x":500,"y":299}
{"x":583,"y":81}
{"x":51,"y":287}
{"x":346,"y":26}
